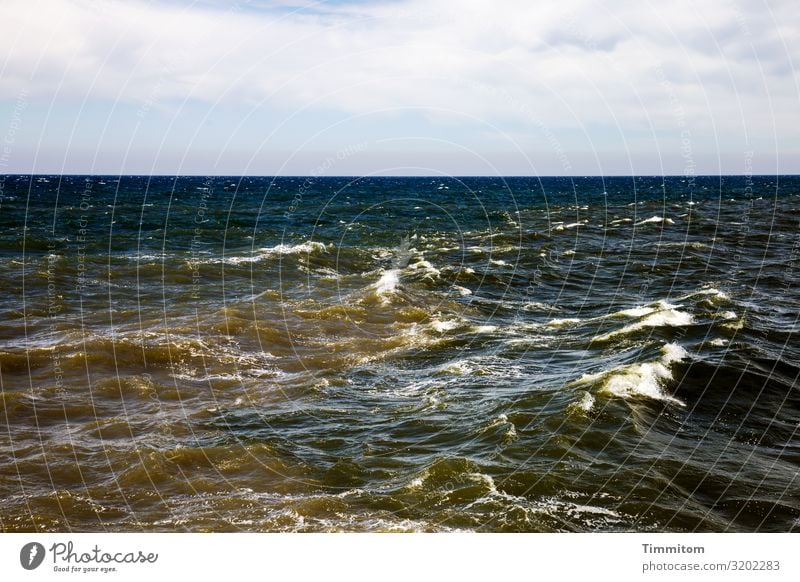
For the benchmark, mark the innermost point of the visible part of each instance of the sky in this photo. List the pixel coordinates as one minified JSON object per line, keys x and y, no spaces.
{"x":399,"y":87}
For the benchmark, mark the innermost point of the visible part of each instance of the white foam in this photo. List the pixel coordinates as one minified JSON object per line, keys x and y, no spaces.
{"x":584,"y":405}
{"x":480,"y":367}
{"x":484,"y":328}
{"x":443,"y":326}
{"x":458,"y":368}
{"x":641,"y":379}
{"x":306,"y":247}
{"x":673,"y":353}
{"x":208,"y":377}
{"x":634,"y":312}
{"x":240,"y":260}
{"x":430,"y":272}
{"x":463,"y":291}
{"x":734,"y":325}
{"x":386,"y":286}
{"x":144,"y":257}
{"x":591,"y":509}
{"x":656,"y":219}
{"x":589,"y":378}
{"x":667,"y":316}
{"x":499,"y":419}
{"x":719,"y":295}
{"x":279,"y":250}
{"x":636,"y":380}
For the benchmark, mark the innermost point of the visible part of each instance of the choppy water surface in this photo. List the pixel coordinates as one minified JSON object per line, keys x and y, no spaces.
{"x":401,"y":354}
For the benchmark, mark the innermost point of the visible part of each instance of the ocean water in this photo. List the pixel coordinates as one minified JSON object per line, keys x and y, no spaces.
{"x":399,"y":354}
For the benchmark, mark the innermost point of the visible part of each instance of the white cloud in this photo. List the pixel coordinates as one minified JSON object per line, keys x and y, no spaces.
{"x":617,"y":75}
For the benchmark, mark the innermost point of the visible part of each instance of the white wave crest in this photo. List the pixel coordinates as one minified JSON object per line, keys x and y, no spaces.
{"x":716,"y":294}
{"x":584,"y":405}
{"x":635,"y":380}
{"x":422,"y":266}
{"x":666,"y":315}
{"x":279,"y":250}
{"x":634,"y":312}
{"x":656,"y":220}
{"x":440,"y":326}
{"x":306,"y":247}
{"x":386,"y":286}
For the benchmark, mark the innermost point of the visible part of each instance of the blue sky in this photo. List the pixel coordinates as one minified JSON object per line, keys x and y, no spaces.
{"x":399,"y":87}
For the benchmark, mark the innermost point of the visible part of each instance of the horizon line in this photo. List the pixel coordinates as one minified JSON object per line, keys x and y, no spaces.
{"x":193,"y":175}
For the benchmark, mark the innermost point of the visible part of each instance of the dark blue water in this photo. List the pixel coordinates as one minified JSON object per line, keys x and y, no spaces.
{"x":316,"y":354}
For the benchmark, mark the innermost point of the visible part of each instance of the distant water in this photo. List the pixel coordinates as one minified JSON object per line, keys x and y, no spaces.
{"x":399,"y":354}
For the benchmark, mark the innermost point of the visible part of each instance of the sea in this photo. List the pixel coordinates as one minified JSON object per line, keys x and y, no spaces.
{"x":399,"y":354}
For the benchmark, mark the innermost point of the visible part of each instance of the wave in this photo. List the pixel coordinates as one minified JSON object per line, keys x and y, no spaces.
{"x":714,"y":293}
{"x":306,"y":248}
{"x":387,"y":285}
{"x":655,"y":220}
{"x":407,"y":263}
{"x":584,"y":405}
{"x":637,"y":380}
{"x":666,"y":315}
{"x":563,"y":322}
{"x":655,"y":314}
{"x":424,"y":269}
